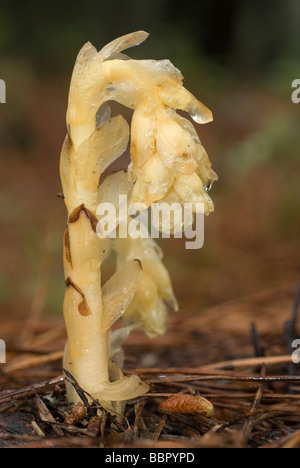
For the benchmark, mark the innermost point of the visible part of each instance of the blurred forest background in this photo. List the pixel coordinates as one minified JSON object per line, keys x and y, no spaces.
{"x":239,"y":57}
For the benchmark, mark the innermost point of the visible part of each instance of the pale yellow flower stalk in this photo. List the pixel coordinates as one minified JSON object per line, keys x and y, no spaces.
{"x":89,"y":309}
{"x":168,"y":163}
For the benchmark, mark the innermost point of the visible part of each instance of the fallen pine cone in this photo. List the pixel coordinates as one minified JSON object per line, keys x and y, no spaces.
{"x":187,"y":404}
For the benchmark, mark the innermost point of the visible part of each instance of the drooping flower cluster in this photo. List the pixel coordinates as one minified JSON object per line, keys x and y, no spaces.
{"x":169,"y":164}
{"x":148,"y":309}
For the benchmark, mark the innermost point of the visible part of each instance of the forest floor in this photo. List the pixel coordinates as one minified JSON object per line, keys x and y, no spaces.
{"x":255,"y":387}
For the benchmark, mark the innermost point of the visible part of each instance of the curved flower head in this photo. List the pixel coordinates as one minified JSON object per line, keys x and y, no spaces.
{"x":164,"y":145}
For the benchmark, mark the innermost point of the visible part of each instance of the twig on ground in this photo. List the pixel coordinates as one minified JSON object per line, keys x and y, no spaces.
{"x":46,"y":415}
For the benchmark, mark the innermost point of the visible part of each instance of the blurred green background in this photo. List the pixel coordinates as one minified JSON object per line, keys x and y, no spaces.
{"x":239,"y":57}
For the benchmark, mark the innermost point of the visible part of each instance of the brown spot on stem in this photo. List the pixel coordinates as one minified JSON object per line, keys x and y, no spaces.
{"x":67,"y":247}
{"x":83,"y":307}
{"x":74,"y":216}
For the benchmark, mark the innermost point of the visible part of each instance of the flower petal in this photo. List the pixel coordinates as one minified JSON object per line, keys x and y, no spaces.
{"x":190,"y":189}
{"x":154,"y":180}
{"x":122,"y":43}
